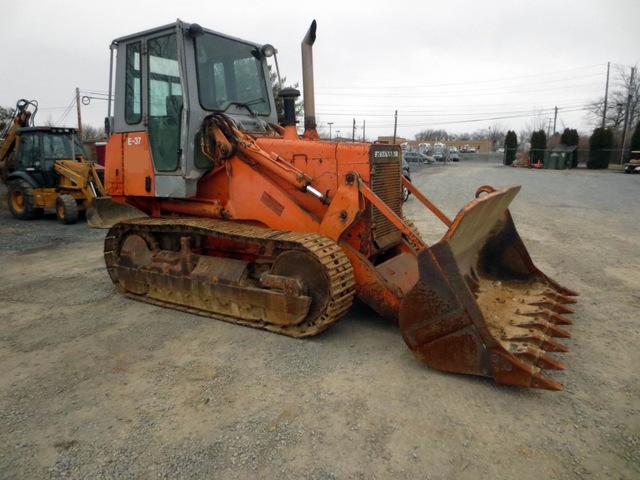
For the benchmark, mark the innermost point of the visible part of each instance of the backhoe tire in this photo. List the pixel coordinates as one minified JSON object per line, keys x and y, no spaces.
{"x":21,"y":200}
{"x":66,"y":209}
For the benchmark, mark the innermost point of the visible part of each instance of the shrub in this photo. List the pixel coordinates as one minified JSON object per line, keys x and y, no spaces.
{"x":600,"y":148}
{"x":510,"y":147}
{"x":635,"y":140}
{"x":571,"y":138}
{"x":538,"y":146}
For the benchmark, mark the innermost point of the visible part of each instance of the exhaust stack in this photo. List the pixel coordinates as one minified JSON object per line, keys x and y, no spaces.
{"x":310,"y":132}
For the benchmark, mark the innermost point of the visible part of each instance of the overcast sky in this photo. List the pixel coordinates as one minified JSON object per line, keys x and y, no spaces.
{"x":459,"y":65}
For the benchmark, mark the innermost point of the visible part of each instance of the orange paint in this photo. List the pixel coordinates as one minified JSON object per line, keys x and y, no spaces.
{"x":138,"y":164}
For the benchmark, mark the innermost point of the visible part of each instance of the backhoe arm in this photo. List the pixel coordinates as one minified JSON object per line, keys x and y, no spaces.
{"x":22,"y":118}
{"x":80,"y":175}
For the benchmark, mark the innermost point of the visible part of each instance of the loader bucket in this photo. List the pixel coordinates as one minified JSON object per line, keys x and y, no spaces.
{"x":481,"y":306}
{"x":105,"y":213}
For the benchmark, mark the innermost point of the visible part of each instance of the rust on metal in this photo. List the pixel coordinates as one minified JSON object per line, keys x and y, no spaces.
{"x":291,"y":283}
{"x":103,"y":212}
{"x":481,"y":306}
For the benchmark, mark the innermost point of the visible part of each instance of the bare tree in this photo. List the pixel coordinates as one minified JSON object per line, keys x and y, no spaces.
{"x":90,"y":132}
{"x":497,"y":133}
{"x":432,"y":134}
{"x":538,"y":122}
{"x":6,"y":117}
{"x":481,"y":134}
{"x":617,"y":101}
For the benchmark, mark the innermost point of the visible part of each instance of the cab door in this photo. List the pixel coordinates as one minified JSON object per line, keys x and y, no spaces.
{"x":164,"y":102}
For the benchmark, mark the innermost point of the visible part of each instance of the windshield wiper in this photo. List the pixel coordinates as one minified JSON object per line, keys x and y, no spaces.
{"x":247,"y":105}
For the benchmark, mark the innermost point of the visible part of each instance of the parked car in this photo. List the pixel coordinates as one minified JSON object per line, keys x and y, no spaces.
{"x":438,"y":154}
{"x":453,"y":155}
{"x":467,"y":149}
{"x":634,"y":163}
{"x":406,"y":173}
{"x":415,"y":157}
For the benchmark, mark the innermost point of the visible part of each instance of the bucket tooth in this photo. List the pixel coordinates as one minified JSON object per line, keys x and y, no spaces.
{"x":533,"y":336}
{"x":559,"y":319}
{"x":553,"y":306}
{"x":511,"y":370}
{"x":548,"y":315}
{"x":535,"y":356}
{"x":540,"y":381}
{"x":544,"y":326}
{"x":558,"y":297}
{"x":561,"y":289}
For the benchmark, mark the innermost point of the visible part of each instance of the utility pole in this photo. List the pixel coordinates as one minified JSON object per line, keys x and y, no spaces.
{"x":555,"y":119}
{"x":79,"y":114}
{"x":364,"y":126}
{"x":626,"y":113}
{"x":353,"y":131}
{"x":606,"y":95}
{"x":395,"y":126}
{"x":329,"y":123}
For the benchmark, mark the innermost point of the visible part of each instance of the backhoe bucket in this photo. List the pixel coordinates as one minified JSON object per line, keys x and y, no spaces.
{"x":105,"y":213}
{"x":481,"y":306}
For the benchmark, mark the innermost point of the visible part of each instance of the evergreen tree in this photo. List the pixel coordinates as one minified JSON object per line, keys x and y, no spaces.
{"x":571,"y":138}
{"x":635,"y":140}
{"x":538,"y":146}
{"x":600,"y":147}
{"x":275,"y":86}
{"x":510,"y":147}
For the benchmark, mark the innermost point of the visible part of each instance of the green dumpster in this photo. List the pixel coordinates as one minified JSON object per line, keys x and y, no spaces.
{"x":552,"y":162}
{"x":562,"y":162}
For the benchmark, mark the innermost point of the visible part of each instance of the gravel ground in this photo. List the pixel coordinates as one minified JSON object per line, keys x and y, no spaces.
{"x":94,"y":385}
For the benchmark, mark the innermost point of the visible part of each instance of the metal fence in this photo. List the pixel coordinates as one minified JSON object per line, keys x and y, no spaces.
{"x":616,"y":155}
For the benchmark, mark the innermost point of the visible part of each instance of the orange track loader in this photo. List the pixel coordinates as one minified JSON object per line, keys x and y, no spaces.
{"x":249,"y":223}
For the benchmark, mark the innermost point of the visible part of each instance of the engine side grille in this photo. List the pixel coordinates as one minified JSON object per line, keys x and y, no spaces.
{"x":386,"y":183}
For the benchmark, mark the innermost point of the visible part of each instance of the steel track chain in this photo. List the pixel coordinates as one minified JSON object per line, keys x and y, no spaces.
{"x":329,"y":254}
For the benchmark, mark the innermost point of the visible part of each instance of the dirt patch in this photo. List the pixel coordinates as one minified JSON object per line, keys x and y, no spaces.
{"x":95,"y":385}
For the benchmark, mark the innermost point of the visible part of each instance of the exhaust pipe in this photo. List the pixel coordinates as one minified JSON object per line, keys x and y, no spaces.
{"x":310,"y":132}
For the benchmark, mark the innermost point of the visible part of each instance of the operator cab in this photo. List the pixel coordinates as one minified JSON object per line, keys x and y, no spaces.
{"x":169,"y":79}
{"x":40,"y":147}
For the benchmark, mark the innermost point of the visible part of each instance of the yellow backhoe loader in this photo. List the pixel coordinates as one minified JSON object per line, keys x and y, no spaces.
{"x":47,"y":168}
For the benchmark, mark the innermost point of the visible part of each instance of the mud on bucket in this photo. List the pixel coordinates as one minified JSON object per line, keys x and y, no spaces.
{"x":481,"y":306}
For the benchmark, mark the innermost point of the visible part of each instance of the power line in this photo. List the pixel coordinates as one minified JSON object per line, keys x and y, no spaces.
{"x":465,"y":93}
{"x":72,"y":104}
{"x":494,"y":80}
{"x":338,"y":90}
